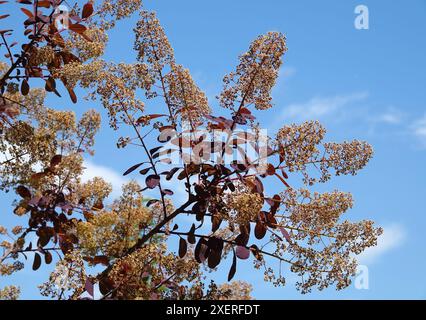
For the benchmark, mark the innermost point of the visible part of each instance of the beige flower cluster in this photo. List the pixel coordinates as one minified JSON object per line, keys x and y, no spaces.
{"x":321,"y":249}
{"x":152,"y":45}
{"x":184,"y":97}
{"x":243,"y":206}
{"x":347,"y":157}
{"x":84,"y":49}
{"x":110,"y":11}
{"x":145,"y":273}
{"x":299,"y":144}
{"x":10,"y":293}
{"x":111,"y":232}
{"x":41,"y":56}
{"x":235,"y":290}
{"x":68,"y":278}
{"x":301,"y":149}
{"x":256,"y":74}
{"x":313,"y":211}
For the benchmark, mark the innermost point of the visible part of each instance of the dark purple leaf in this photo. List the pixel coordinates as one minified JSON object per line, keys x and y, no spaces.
{"x":200,"y":250}
{"x":87,"y":12}
{"x":132,"y":168}
{"x":23,"y":192}
{"x":242,"y":253}
{"x":89,"y":287}
{"x":285,"y":234}
{"x":145,"y":171}
{"x":151,"y":202}
{"x":152,"y":181}
{"x":191,"y":237}
{"x":37,"y":261}
{"x":48,"y":257}
{"x":154,"y":150}
{"x":260,"y":230}
{"x":55,"y":160}
{"x":183,"y":247}
{"x":168,"y":192}
{"x":233,"y":269}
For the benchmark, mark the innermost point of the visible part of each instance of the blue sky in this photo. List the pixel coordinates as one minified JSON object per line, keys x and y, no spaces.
{"x":364,"y":84}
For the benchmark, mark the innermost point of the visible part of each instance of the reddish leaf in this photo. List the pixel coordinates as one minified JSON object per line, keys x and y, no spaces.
{"x":151,"y":202}
{"x":87,"y":10}
{"x":78,"y":28}
{"x":72,"y":94}
{"x":146,"y":118}
{"x":168,"y":192}
{"x":233,"y":268}
{"x":183,"y":247}
{"x":99,"y":260}
{"x":200,"y":250}
{"x":37,"y":261}
{"x":154,"y":150}
{"x":98,"y":205}
{"x":44,"y":4}
{"x":216,"y":222}
{"x":214,"y":251}
{"x":132,"y":168}
{"x":105,"y":286}
{"x":171,"y":173}
{"x":191,"y":237}
{"x":23,"y":192}
{"x":242,"y":253}
{"x":270,"y":170}
{"x":48,"y":257}
{"x":4,"y":16}
{"x":260,"y":230}
{"x":55,"y":160}
{"x":256,"y":252}
{"x":283,"y":181}
{"x":50,"y":84}
{"x":144,"y":171}
{"x":89,"y":287}
{"x":285,"y":234}
{"x":152,"y":181}
{"x":27,"y":12}
{"x":25,"y":88}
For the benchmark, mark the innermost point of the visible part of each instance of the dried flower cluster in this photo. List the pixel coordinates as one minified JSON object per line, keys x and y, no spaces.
{"x":255,"y":76}
{"x":301,"y":147}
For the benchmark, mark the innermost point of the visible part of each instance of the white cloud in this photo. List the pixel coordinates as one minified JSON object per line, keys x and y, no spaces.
{"x":93,"y":170}
{"x":321,"y":106}
{"x":392,"y":116}
{"x":419,"y":129}
{"x":393,"y":236}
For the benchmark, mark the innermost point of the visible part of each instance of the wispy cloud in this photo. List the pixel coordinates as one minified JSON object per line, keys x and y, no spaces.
{"x":393,"y":236}
{"x":320,"y":107}
{"x":391,"y":116}
{"x":418,"y":128}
